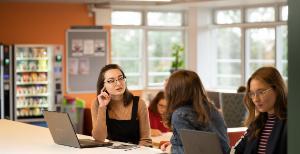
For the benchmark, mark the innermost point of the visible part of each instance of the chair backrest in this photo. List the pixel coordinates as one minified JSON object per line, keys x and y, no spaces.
{"x":87,"y":122}
{"x":214,"y":96}
{"x":75,"y":108}
{"x":233,"y":109}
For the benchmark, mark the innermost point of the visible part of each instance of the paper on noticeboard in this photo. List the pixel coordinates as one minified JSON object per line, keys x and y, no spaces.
{"x":73,"y":66}
{"x":84,"y":66}
{"x":77,"y":47}
{"x":88,"y":47}
{"x":100,"y":47}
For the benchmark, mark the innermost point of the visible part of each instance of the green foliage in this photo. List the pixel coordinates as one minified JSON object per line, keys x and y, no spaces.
{"x":178,"y":54}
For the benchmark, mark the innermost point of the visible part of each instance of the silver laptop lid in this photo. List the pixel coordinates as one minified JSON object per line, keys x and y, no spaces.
{"x":61,"y":128}
{"x":200,"y":142}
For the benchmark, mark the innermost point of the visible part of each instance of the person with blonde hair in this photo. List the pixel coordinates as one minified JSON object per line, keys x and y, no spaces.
{"x":266,"y":102}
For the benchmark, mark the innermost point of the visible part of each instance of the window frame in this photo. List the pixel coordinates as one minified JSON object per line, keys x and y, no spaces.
{"x":244,"y":25}
{"x":280,"y":12}
{"x":170,"y":11}
{"x":162,"y":29}
{"x":259,"y":6}
{"x":214,"y":20}
{"x":145,"y":29}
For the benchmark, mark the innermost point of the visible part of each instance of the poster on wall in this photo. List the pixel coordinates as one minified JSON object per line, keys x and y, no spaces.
{"x":88,"y":47}
{"x":84,"y":66}
{"x":99,"y":47}
{"x":73,"y":66}
{"x":77,"y":47}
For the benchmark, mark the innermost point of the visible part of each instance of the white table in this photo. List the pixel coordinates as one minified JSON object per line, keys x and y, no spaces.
{"x":236,"y":129}
{"x":17,"y":138}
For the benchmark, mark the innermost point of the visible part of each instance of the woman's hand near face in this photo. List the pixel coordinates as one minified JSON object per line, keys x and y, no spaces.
{"x":103,"y":98}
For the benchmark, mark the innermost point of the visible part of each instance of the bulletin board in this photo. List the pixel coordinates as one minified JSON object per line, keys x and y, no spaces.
{"x":87,"y":53}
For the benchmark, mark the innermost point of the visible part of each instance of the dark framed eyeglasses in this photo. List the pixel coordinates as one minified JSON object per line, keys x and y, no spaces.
{"x":112,"y":81}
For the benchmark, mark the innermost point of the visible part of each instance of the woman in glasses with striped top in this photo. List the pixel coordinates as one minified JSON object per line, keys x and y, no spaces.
{"x":266,"y":102}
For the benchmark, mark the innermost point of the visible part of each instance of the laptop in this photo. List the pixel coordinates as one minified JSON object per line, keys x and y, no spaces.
{"x":63,"y":133}
{"x":200,"y":142}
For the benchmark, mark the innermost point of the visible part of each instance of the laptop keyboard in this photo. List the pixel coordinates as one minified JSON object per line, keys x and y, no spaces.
{"x":84,"y":142}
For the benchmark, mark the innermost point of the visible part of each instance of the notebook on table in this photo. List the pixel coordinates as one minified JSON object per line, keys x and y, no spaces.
{"x":63,"y":133}
{"x":198,"y":142}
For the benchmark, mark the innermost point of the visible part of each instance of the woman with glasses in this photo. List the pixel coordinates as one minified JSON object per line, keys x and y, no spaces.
{"x":116,"y":114}
{"x":190,"y":108}
{"x":266,"y":102}
{"x":157,"y":108}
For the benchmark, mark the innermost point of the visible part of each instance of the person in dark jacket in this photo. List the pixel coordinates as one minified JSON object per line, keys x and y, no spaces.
{"x":266,"y":102}
{"x":189,"y":108}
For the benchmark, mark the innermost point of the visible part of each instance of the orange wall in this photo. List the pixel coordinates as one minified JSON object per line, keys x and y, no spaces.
{"x":43,"y":23}
{"x":40,"y":22}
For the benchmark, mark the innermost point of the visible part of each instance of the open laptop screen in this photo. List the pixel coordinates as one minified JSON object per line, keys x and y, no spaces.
{"x":196,"y":142}
{"x":63,"y":133}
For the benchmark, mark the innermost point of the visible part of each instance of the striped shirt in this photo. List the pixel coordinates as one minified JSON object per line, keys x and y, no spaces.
{"x":265,"y":134}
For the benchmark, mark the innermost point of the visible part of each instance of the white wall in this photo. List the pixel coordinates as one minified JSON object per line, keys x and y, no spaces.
{"x":102,"y":16}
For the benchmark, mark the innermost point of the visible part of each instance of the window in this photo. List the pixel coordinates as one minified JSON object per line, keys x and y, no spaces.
{"x":228,"y":48}
{"x":242,"y":47}
{"x":159,"y":44}
{"x":284,"y":13}
{"x":260,"y":14}
{"x":282,"y":48}
{"x":282,"y":44}
{"x":159,"y":55}
{"x":228,"y":16}
{"x":260,"y":49}
{"x":164,"y":18}
{"x":126,"y":18}
{"x":127,"y":52}
{"x":144,"y":51}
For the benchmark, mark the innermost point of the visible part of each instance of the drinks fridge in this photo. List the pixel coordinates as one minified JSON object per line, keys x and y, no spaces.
{"x":37,"y":85}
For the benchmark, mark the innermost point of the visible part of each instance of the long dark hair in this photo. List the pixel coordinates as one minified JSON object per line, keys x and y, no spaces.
{"x":185,"y":87}
{"x":127,"y":96}
{"x":153,"y":104}
{"x":256,"y":120}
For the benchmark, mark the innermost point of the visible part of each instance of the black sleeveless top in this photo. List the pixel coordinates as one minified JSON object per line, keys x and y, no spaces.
{"x":125,"y":130}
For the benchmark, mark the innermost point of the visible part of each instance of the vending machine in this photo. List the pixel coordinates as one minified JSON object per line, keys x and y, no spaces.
{"x":37,"y":81}
{"x":6,"y":83}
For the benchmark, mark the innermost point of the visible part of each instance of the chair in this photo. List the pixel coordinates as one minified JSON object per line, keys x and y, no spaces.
{"x":88,"y":124}
{"x":75,"y":108}
{"x":233,"y":109}
{"x":214,"y":96}
{"x":234,"y":137}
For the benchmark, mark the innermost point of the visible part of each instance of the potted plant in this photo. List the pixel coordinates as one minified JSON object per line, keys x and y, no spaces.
{"x":178,"y":55}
